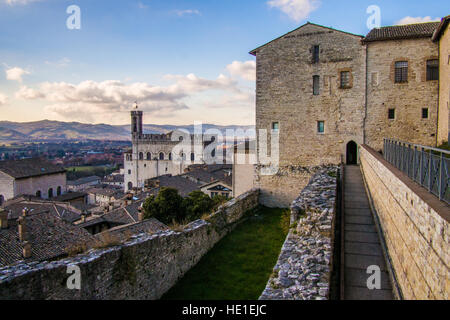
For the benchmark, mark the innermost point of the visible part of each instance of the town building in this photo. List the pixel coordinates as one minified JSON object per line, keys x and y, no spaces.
{"x":153,"y":155}
{"x":114,"y":180}
{"x":324,"y":92}
{"x":83,"y":183}
{"x":35,"y":177}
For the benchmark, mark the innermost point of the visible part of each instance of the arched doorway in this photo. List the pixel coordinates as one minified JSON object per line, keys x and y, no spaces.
{"x":130,"y":185}
{"x":352,"y":153}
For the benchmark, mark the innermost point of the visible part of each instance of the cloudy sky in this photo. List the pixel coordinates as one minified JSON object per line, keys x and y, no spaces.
{"x":183,"y":61}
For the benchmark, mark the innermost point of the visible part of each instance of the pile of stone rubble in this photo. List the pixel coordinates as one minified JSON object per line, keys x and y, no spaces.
{"x":303,"y":268}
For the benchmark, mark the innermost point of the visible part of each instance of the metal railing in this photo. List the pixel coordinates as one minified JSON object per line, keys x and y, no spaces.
{"x":427,"y":166}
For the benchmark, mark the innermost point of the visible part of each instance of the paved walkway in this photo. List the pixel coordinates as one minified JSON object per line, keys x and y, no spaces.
{"x":361,"y":244}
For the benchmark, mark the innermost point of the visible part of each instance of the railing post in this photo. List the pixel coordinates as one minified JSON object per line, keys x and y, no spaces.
{"x":414,"y":163}
{"x":421,"y":166}
{"x":429,"y":172}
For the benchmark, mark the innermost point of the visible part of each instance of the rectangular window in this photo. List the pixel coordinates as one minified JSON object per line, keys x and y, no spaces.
{"x":276,"y":126}
{"x":316,"y":54}
{"x":425,"y":113}
{"x":316,"y":85}
{"x":321,"y":126}
{"x":432,"y":69}
{"x":401,"y":71}
{"x":391,"y":114}
{"x":345,"y":79}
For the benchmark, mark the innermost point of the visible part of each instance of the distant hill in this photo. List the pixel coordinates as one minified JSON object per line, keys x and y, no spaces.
{"x":47,"y":130}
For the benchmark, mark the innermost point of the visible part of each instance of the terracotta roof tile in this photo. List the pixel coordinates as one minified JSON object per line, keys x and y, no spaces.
{"x":410,"y":31}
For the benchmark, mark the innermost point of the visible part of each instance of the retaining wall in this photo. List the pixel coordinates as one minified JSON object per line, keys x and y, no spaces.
{"x":145,"y":267}
{"x":415,"y":227}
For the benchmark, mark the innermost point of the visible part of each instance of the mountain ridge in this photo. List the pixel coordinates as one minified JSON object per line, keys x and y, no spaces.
{"x":51,"y":130}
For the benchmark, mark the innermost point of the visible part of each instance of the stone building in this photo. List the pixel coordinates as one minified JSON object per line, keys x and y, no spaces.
{"x":153,"y":155}
{"x":326,"y":91}
{"x":442,"y":37}
{"x":35,"y":177}
{"x":402,"y":85}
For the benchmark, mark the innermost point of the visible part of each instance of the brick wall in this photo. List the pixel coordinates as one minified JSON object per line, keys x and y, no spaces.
{"x":415,"y":227}
{"x":143,"y":268}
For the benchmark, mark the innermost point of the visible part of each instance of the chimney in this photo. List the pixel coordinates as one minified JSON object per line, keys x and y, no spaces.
{"x":3,"y":219}
{"x":25,"y":212}
{"x":111,"y":206}
{"x":22,"y":229}
{"x":140,"y":214}
{"x":157,"y":183}
{"x":26,"y":250}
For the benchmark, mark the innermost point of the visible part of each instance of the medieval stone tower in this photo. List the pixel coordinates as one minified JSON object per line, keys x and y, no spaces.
{"x":154,"y":155}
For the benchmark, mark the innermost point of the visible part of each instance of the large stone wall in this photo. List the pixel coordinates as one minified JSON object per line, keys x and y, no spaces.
{"x":145,"y":267}
{"x":408,"y":99}
{"x":415,"y":225}
{"x":284,"y":94}
{"x":303,"y":269}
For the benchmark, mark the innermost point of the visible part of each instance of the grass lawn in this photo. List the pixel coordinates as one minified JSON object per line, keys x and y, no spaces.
{"x":240,"y":265}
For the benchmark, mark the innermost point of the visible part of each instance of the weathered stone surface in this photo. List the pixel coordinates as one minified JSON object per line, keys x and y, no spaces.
{"x":417,"y":236}
{"x":303,"y":268}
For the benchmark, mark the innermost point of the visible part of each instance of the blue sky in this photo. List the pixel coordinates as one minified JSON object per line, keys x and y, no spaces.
{"x":184,"y":61}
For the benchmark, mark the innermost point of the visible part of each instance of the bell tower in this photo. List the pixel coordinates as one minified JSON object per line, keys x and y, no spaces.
{"x":136,"y":122}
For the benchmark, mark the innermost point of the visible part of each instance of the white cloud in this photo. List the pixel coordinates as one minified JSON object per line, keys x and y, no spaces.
{"x":245,"y":70}
{"x":142,"y":5}
{"x":3,"y":99}
{"x":297,"y":10}
{"x":412,"y":20}
{"x":64,"y":62}
{"x":189,"y":12}
{"x":16,"y":73}
{"x":108,"y":100}
{"x":22,"y":2}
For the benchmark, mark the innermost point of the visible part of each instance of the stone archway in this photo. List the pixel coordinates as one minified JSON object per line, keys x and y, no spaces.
{"x":352,"y":153}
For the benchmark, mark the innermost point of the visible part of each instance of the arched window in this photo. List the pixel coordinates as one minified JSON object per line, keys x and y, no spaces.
{"x":58,"y":191}
{"x":39,"y":194}
{"x":161,"y":156}
{"x":213,"y":153}
{"x":141,"y":156}
{"x":2,"y":199}
{"x":130,"y":185}
{"x":170,"y":156}
{"x":192,"y":157}
{"x":50,"y":193}
{"x":149,"y":156}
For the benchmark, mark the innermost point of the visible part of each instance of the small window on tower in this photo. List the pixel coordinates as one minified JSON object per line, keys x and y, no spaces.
{"x":345,"y":79}
{"x":276,"y":126}
{"x":316,"y":85}
{"x":425,"y":113}
{"x":391,"y":114}
{"x":320,"y":126}
{"x":316,"y":54}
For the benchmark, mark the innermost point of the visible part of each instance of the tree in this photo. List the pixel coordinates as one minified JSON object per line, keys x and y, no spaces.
{"x":167,"y":206}
{"x":197,"y":204}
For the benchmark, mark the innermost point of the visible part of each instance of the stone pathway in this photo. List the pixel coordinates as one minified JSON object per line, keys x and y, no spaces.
{"x":361,"y":244}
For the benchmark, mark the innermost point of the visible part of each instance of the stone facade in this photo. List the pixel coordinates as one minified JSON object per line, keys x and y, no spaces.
{"x":326,"y":91}
{"x":144,"y":267}
{"x":444,"y":81}
{"x":415,"y":226}
{"x":284,"y":94}
{"x":408,"y":99}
